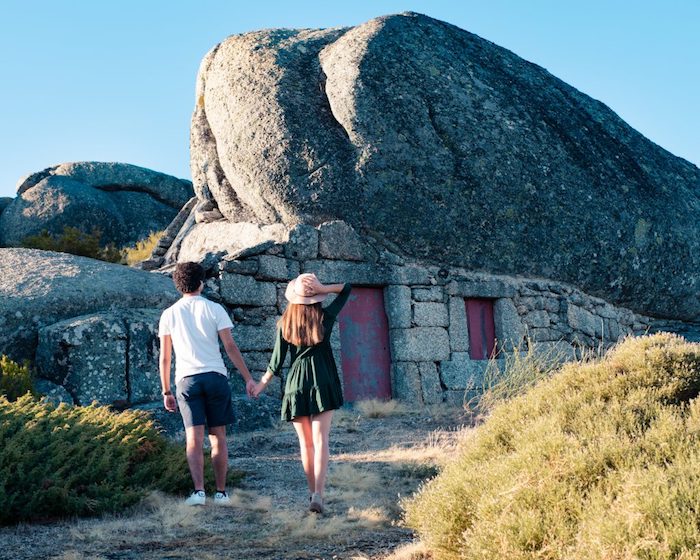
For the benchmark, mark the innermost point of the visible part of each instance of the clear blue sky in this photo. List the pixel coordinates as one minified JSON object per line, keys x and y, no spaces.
{"x":113,"y":80}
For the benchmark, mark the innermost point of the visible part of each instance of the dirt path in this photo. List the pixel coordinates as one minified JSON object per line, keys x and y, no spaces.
{"x":374,"y":462}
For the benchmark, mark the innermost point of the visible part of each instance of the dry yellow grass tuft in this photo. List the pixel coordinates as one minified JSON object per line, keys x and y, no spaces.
{"x":250,"y":501}
{"x":345,"y":476}
{"x":368,"y":517}
{"x":142,"y":250}
{"x":521,"y":370}
{"x":410,"y":551}
{"x":375,"y":408}
{"x":175,"y":516}
{"x":309,"y":526}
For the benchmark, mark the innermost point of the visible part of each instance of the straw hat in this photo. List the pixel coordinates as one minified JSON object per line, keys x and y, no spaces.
{"x":295,"y":291}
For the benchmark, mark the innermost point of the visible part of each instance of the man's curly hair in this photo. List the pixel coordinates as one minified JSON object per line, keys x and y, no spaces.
{"x":187,"y":277}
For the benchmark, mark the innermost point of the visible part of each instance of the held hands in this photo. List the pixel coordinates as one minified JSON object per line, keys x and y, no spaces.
{"x":260,"y":385}
{"x":250,"y":387}
{"x":259,"y":388}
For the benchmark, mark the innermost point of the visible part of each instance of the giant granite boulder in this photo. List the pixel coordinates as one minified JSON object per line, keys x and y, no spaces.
{"x":124,"y":201}
{"x":40,"y":288}
{"x":451,"y":147}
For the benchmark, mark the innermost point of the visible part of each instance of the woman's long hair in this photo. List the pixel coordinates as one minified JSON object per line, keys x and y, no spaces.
{"x":302,"y":325}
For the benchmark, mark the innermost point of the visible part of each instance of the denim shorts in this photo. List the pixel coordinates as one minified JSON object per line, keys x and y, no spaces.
{"x":205,"y":399}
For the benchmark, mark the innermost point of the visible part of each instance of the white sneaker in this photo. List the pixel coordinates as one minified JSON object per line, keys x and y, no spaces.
{"x":222,"y":499}
{"x":197,"y":498}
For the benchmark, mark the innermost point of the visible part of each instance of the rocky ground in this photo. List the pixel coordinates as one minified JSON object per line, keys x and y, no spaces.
{"x":375,"y":462}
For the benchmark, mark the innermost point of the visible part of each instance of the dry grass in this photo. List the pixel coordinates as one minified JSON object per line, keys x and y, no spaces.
{"x":515,"y":374}
{"x":601,"y":461}
{"x":373,"y":463}
{"x":350,"y":477}
{"x":157,"y":514}
{"x":290,"y":524}
{"x":250,"y":501}
{"x":410,"y":551}
{"x":434,"y":450}
{"x":142,"y":249}
{"x":368,"y":517}
{"x":375,"y":408}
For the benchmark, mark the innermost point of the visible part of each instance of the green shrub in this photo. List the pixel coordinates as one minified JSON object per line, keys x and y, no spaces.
{"x":142,"y":250}
{"x":75,"y":242}
{"x":601,"y":461}
{"x":15,"y":379}
{"x":65,"y":461}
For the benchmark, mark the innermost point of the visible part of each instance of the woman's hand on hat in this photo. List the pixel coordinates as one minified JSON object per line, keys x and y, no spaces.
{"x":311,"y":286}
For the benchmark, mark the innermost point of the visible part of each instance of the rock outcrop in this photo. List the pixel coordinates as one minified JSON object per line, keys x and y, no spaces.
{"x":40,"y":288}
{"x":108,"y":357}
{"x":423,"y":135}
{"x":124,"y":201}
{"x":91,"y":331}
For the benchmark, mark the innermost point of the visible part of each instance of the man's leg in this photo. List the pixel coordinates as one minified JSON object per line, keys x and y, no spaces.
{"x":219,"y":455}
{"x":191,"y":405}
{"x":195,"y":455}
{"x":219,"y":413}
{"x":302,"y":425}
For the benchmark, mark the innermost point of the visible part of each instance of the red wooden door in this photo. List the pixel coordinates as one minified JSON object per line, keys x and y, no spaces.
{"x":482,"y":333}
{"x":364,"y":341}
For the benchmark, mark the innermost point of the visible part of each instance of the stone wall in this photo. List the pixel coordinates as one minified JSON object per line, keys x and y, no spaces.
{"x":113,"y":357}
{"x":425,"y":309}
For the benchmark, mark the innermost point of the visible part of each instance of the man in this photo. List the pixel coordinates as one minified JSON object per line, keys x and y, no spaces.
{"x":192,"y":328}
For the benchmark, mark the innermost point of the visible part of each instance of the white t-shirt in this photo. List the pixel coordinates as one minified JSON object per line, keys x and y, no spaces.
{"x":193,"y":323}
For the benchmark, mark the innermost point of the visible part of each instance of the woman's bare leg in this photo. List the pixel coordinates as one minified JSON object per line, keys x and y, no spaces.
{"x":302,"y":425}
{"x":321,"y":427}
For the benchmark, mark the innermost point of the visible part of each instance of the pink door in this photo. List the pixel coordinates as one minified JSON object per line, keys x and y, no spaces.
{"x":482,"y":334}
{"x":364,"y":339}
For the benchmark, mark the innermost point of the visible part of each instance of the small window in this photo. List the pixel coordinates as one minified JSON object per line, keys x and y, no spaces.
{"x":482,"y":333}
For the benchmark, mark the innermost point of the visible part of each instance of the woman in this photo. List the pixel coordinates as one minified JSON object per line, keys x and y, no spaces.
{"x":313,"y":390}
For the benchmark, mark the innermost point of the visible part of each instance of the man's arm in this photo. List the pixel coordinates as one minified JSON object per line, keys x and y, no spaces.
{"x":164,"y":360}
{"x":234,"y":355}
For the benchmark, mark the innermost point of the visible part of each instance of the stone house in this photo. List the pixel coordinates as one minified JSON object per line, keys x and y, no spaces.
{"x":420,"y":332}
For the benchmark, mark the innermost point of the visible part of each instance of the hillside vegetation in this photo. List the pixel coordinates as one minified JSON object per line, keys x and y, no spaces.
{"x":77,"y":242}
{"x":72,"y":460}
{"x":602,"y":461}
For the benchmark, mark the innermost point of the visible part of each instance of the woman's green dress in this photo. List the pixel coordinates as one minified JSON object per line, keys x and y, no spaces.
{"x":312,"y":383}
